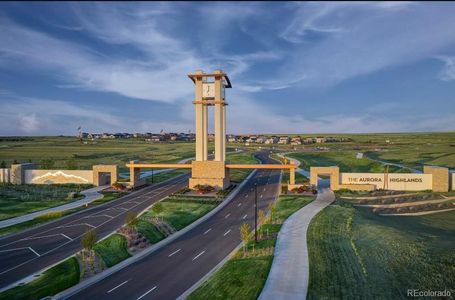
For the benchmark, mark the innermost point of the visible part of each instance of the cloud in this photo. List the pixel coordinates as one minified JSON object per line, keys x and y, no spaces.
{"x":43,"y":116}
{"x":358,"y":39}
{"x":448,"y":71}
{"x":28,"y":123}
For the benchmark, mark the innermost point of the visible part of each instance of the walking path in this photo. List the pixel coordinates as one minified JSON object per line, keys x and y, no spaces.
{"x":289,"y":274}
{"x":90,"y":196}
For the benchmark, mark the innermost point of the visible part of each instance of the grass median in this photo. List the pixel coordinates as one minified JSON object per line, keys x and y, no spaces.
{"x":243,"y":277}
{"x":108,"y":196}
{"x":52,"y":281}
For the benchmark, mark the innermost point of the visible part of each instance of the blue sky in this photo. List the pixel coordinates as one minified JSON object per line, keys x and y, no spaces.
{"x":296,"y":67}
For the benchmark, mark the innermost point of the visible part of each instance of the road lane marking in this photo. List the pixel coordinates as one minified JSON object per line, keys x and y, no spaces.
{"x":260,"y":196}
{"x":207,"y":231}
{"x":227,"y":216}
{"x":145,"y":294}
{"x":117,"y":286}
{"x":240,"y":204}
{"x":176,"y":251}
{"x":226,"y":232}
{"x":31,"y":249}
{"x":244,"y":217}
{"x":196,"y":257}
{"x":246,"y":196}
{"x":64,"y":235}
{"x":264,"y":189}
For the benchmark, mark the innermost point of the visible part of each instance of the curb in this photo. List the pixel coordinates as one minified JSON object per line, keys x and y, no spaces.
{"x":222,"y":262}
{"x":33,"y":276}
{"x":123,"y":264}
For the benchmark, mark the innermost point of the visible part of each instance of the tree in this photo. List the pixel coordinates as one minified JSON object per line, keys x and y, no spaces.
{"x":272,"y":208}
{"x":131,"y":220}
{"x":3,"y":164}
{"x":88,"y":241}
{"x":15,"y":162}
{"x":245,"y":235}
{"x":262,"y":219}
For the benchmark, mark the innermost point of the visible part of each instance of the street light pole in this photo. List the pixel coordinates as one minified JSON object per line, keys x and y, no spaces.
{"x":256,"y":212}
{"x":152,"y":176}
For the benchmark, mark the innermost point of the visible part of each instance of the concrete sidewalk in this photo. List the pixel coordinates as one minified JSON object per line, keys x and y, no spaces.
{"x":289,"y":274}
{"x":90,"y":196}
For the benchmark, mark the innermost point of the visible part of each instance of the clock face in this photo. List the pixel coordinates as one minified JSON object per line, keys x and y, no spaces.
{"x":208,"y":90}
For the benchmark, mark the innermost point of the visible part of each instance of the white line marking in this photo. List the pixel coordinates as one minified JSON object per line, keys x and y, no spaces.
{"x":103,"y":215}
{"x":227,"y":216}
{"x":14,"y":249}
{"x":207,"y":231}
{"x":117,"y":286}
{"x":143,"y":295}
{"x":246,"y":196}
{"x":264,"y":189}
{"x":226,"y":232}
{"x":244,"y":217}
{"x":40,"y":237}
{"x":240,"y":204}
{"x":66,"y":236}
{"x":196,"y":257}
{"x":260,"y":196}
{"x":176,"y":251}
{"x":31,"y":249}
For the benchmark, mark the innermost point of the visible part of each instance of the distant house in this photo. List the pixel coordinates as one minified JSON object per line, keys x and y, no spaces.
{"x":271,"y":140}
{"x":296,"y":141}
{"x":284,"y":140}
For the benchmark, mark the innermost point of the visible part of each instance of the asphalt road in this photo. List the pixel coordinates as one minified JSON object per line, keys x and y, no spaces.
{"x":170,"y":271}
{"x":26,"y":253}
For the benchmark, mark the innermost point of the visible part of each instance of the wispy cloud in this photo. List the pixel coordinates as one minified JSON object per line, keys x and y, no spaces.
{"x":364,"y":38}
{"x":448,"y":71}
{"x":27,"y":115}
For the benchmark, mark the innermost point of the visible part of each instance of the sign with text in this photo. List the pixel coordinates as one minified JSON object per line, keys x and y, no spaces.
{"x":391,"y":181}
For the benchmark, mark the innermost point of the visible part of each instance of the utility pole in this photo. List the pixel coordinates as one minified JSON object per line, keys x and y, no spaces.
{"x":256,"y":212}
{"x":152,"y":176}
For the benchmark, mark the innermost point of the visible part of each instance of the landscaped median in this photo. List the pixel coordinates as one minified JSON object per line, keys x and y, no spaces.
{"x":108,"y":196}
{"x":162,"y":219}
{"x":244,"y":274}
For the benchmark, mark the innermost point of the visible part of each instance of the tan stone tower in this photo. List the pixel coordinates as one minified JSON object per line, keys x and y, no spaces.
{"x":210,"y":91}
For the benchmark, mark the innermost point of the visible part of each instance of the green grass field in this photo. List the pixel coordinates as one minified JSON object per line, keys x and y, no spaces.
{"x":355,"y":254}
{"x":346,"y":160}
{"x":243,"y":277}
{"x":52,"y":281}
{"x":17,"y":200}
{"x":180,"y":213}
{"x":112,"y":250}
{"x":105,"y":151}
{"x":410,"y":149}
{"x":240,"y":158}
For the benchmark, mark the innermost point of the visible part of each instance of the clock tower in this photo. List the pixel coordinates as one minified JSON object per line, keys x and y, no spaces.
{"x":210,"y":91}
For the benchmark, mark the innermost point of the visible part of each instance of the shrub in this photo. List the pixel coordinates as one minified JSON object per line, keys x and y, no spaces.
{"x":118,"y":186}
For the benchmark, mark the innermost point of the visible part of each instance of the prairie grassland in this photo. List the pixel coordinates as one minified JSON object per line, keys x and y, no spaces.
{"x":355,"y":254}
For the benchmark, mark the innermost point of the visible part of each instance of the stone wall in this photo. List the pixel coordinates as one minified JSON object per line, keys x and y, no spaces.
{"x":440,"y":177}
{"x":390,"y":181}
{"x":5,"y":175}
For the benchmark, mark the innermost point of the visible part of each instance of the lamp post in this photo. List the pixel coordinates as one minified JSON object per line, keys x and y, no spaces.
{"x":152,"y":176}
{"x":256,"y":212}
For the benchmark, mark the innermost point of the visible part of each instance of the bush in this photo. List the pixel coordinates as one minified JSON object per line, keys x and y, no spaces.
{"x":118,"y":186}
{"x":203,"y":189}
